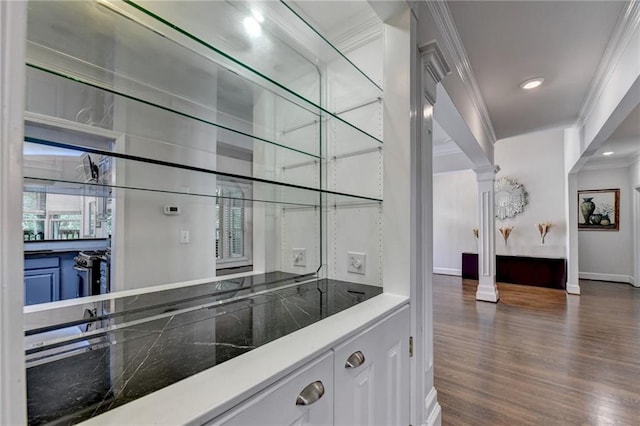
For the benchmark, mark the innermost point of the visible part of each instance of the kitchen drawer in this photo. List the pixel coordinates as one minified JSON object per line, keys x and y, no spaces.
{"x":42,"y":262}
{"x":276,"y":405}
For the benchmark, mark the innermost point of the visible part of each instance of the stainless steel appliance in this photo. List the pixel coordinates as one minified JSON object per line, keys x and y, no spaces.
{"x":92,"y":267}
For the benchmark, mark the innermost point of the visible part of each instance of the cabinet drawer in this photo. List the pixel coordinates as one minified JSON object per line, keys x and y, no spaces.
{"x":372,"y":374}
{"x":42,"y":262}
{"x":276,"y":405}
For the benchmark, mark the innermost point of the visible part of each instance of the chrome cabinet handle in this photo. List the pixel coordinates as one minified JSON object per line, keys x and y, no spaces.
{"x":355,"y":360}
{"x":311,"y":393}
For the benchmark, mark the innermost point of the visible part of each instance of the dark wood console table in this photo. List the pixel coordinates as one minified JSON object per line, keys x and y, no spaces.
{"x":537,"y":271}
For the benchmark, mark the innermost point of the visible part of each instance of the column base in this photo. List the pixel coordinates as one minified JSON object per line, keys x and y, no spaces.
{"x":487,"y":290}
{"x":573,"y":289}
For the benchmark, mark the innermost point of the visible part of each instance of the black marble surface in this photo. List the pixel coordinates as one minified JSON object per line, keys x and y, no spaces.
{"x":164,"y":337}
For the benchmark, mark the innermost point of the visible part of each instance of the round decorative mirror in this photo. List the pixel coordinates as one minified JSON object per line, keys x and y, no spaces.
{"x":510,"y":198}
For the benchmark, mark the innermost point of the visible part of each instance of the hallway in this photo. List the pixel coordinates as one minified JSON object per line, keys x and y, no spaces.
{"x":539,"y":356}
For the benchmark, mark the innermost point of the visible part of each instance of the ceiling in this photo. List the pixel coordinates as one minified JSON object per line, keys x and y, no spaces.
{"x":508,"y":42}
{"x":624,"y":143}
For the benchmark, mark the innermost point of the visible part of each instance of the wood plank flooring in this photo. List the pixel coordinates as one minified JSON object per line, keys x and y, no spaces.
{"x":539,"y":356}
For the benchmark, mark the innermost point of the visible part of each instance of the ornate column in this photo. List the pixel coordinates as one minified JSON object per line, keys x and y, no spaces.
{"x":433,"y":68}
{"x":487,"y":289}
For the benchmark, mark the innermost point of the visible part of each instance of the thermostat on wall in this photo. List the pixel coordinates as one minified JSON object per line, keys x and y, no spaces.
{"x":172,"y":210}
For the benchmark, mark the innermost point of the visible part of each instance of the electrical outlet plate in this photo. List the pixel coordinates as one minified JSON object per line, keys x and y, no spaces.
{"x":357,"y":263}
{"x":299,"y":257}
{"x":184,"y":237}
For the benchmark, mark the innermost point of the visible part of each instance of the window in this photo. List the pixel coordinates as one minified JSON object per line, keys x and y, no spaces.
{"x":233,"y":224}
{"x":65,"y":226}
{"x":48,"y":216}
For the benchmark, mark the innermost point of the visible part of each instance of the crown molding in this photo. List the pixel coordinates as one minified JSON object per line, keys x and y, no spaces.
{"x":626,"y":25}
{"x":435,"y":67}
{"x":359,"y":35}
{"x":453,"y":45}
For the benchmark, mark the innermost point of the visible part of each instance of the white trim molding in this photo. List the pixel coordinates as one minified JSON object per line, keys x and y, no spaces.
{"x":453,"y":45}
{"x":626,"y":25}
{"x":447,"y":271}
{"x":433,"y":409}
{"x":13,"y":23}
{"x":627,"y":279}
{"x":434,"y":69}
{"x":360,"y":35}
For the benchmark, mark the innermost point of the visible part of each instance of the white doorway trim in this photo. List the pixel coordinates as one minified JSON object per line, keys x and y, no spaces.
{"x":119,"y":140}
{"x":13,"y":20}
{"x":635,"y":280}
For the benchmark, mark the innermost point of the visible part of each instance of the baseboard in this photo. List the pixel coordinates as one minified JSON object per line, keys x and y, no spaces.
{"x":433,"y":410}
{"x":606,"y":277}
{"x":447,"y":271}
{"x":573,"y":289}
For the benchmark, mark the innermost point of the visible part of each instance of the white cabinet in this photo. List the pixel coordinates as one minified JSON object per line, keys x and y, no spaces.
{"x":372,"y":375}
{"x":279,"y":405}
{"x":372,"y":390}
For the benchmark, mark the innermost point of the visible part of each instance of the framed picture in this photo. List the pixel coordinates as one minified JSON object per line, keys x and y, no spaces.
{"x":599,"y":210}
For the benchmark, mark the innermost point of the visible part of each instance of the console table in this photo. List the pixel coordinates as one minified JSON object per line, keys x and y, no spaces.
{"x":536,"y":271}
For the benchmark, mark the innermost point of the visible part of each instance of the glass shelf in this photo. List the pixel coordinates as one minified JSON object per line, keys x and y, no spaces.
{"x":268,"y":47}
{"x":118,"y":45}
{"x":238,"y":136}
{"x":66,"y":174}
{"x":124,"y":91}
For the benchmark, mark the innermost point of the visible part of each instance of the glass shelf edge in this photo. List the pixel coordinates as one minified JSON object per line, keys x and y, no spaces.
{"x":118,"y":155}
{"x":338,"y":51}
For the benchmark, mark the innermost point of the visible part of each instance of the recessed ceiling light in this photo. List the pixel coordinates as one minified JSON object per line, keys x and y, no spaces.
{"x":607,"y":153}
{"x":252,"y":27}
{"x":257,"y":16}
{"x":532,"y":83}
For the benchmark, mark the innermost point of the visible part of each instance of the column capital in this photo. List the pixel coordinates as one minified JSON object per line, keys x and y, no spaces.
{"x":486,"y":173}
{"x":435,"y":68}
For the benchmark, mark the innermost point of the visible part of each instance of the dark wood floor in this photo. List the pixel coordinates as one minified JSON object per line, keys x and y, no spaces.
{"x":539,"y":356}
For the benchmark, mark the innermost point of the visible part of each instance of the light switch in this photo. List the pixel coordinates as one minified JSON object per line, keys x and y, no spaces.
{"x":299,"y":257}
{"x":357,"y":263}
{"x":184,"y":237}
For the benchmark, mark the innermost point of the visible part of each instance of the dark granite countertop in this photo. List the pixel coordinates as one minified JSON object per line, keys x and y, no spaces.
{"x":150,"y":341}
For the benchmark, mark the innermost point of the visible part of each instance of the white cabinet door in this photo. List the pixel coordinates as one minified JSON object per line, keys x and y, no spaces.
{"x":372,"y":375}
{"x":277,"y":405}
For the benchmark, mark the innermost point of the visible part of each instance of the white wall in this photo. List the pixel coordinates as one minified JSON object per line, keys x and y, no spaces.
{"x":150,"y":245}
{"x":355,"y":164}
{"x":536,"y":160}
{"x":608,"y":255}
{"x":455,"y":214}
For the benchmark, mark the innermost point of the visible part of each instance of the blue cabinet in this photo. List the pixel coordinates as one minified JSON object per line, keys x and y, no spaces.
{"x":41,"y":285}
{"x":41,"y":279}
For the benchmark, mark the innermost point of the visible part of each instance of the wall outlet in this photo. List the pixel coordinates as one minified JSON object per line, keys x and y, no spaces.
{"x":357,"y":263}
{"x":184,"y":237}
{"x":299,"y":257}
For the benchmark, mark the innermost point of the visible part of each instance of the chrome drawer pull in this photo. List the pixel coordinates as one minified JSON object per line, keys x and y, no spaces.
{"x":311,"y":393}
{"x":355,"y":360}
